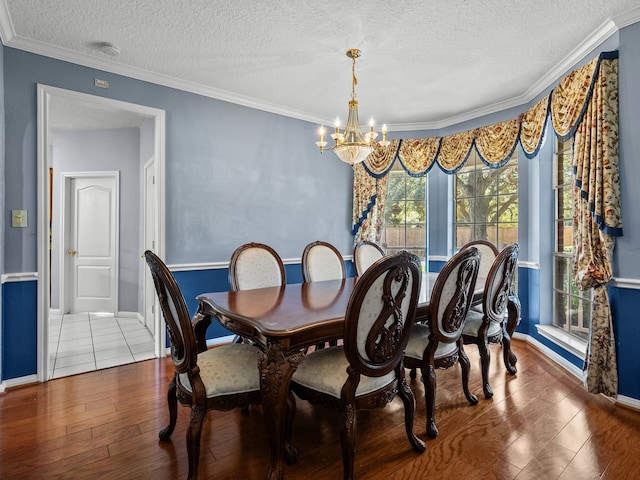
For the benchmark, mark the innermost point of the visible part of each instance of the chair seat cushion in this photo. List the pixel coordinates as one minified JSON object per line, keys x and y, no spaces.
{"x":227,"y":370}
{"x":325,"y":371}
{"x":473,"y":322}
{"x":419,"y":339}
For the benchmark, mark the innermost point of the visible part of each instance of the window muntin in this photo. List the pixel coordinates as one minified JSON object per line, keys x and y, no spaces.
{"x":572,"y":307}
{"x":486,"y":202}
{"x":406,"y":213}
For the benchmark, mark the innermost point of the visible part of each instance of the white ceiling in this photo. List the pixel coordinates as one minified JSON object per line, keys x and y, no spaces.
{"x":425,"y":63}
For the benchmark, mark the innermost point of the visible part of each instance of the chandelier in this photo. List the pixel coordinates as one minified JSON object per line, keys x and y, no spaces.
{"x":352,"y":146}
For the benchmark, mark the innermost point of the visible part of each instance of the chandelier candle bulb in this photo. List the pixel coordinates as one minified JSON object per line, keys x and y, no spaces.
{"x":321,"y":143}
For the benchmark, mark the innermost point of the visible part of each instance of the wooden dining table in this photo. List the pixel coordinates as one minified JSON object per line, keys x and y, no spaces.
{"x":283,"y":322}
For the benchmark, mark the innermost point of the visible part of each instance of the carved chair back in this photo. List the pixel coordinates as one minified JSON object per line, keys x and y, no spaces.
{"x":183,"y":342}
{"x":499,"y":283}
{"x":380,"y":314}
{"x":488,"y":253}
{"x":452,"y":295}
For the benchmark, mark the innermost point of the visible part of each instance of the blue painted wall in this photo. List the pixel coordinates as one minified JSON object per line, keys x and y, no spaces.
{"x":19,"y":329}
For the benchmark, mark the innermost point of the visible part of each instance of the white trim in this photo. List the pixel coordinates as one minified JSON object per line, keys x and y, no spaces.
{"x":561,"y":361}
{"x":19,"y":381}
{"x":44,"y":94}
{"x":3,"y":388}
{"x":220,"y":340}
{"x":628,"y":401}
{"x":19,"y":277}
{"x":627,"y":18}
{"x":186,"y":267}
{"x":438,"y":258}
{"x":531,"y":265}
{"x":631,"y":283}
{"x":561,"y":338}
{"x":602,"y":33}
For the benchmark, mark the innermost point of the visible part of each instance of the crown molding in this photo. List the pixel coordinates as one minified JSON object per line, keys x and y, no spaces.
{"x":111,"y":66}
{"x":7,"y":31}
{"x":602,"y":33}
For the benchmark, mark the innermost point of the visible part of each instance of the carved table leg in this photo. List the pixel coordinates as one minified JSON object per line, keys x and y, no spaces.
{"x":276,"y":368}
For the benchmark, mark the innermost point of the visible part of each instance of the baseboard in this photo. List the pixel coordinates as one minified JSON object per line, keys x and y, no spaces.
{"x":628,"y":402}
{"x":561,"y":361}
{"x":20,"y":381}
{"x":220,"y":340}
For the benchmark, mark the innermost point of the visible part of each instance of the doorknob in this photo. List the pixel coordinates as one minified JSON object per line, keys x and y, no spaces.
{"x":72,"y":252}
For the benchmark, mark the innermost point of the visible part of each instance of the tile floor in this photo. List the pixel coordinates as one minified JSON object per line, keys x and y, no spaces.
{"x":82,"y":342}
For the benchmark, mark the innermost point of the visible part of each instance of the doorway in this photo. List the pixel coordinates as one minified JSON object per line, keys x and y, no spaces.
{"x":83,"y":113}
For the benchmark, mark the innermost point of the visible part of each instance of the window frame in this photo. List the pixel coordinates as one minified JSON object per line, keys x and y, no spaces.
{"x":420,"y":250}
{"x":497,"y":236}
{"x":569,"y":293}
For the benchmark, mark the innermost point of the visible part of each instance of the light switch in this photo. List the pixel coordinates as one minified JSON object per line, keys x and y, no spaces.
{"x":18,"y":218}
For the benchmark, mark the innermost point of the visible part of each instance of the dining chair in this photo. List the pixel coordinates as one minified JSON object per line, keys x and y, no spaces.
{"x":365,"y":253}
{"x":435,"y":342}
{"x":487,"y":325}
{"x":367,"y":370}
{"x":220,"y":378}
{"x":322,"y":261}
{"x":255,"y":265}
{"x":488,"y":253}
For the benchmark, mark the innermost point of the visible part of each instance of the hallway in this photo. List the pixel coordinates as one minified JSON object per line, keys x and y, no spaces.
{"x":83,"y":342}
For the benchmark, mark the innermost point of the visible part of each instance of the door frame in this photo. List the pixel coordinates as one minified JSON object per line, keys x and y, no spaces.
{"x":148,"y":288}
{"x":66,"y":217}
{"x":44,"y":95}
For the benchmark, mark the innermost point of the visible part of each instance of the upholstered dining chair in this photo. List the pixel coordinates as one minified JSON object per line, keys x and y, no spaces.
{"x":487,"y":325}
{"x":220,"y":378}
{"x":322,"y":261}
{"x":367,"y":370}
{"x":365,"y":253}
{"x":255,"y":265}
{"x":488,"y":253}
{"x":437,"y":342}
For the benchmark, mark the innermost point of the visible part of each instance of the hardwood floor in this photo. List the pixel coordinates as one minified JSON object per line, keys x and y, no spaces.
{"x":540,"y":424}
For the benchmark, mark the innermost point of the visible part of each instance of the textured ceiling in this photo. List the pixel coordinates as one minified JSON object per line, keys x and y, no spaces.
{"x":424,"y":64}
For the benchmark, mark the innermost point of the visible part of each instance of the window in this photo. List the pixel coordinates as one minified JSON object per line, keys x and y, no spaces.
{"x":572,"y":307}
{"x":406,"y":213}
{"x":486,"y":201}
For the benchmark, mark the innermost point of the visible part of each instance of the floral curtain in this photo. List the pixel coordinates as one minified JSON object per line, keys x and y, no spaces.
{"x":597,"y":220}
{"x":369,"y":198}
{"x":584,"y":104}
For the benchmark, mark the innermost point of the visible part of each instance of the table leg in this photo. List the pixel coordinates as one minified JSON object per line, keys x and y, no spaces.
{"x":276,"y":368}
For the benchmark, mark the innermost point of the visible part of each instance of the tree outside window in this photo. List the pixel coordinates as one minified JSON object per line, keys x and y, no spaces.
{"x":486,"y":202}
{"x":406,"y":213}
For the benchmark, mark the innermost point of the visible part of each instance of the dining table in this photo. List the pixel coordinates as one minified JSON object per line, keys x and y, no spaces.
{"x":284,"y":321}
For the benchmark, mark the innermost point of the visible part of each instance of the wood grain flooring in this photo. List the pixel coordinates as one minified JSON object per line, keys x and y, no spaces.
{"x":540,"y":424}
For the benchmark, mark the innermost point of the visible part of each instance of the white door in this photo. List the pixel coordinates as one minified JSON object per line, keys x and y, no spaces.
{"x":92,"y":246}
{"x":149,"y":243}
